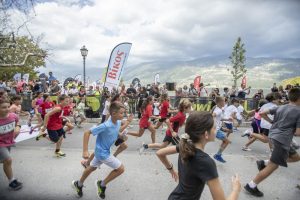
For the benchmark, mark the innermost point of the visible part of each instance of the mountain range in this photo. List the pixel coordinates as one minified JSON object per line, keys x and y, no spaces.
{"x":261,"y":72}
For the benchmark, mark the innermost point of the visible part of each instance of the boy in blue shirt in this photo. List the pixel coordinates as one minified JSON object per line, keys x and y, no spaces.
{"x":107,"y":133}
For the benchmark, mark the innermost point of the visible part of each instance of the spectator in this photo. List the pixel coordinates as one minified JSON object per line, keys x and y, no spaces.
{"x":90,"y":91}
{"x":185,"y":91}
{"x":73,"y":90}
{"x":65,"y":90}
{"x":131,"y":91}
{"x":20,"y":85}
{"x":192,"y":91}
{"x":54,"y":88}
{"x":51,"y":77}
{"x":81,"y":92}
{"x":2,"y":85}
{"x":274,"y":88}
{"x":232,"y":92}
{"x":97,"y":91}
{"x":178,"y":95}
{"x":283,"y":93}
{"x":242,"y":91}
{"x":37,"y":87}
{"x":226,"y":92}
{"x":202,"y":90}
{"x":164,"y":90}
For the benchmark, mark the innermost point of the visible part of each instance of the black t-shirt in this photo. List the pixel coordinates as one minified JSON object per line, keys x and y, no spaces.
{"x":130,"y":91}
{"x":193,"y":176}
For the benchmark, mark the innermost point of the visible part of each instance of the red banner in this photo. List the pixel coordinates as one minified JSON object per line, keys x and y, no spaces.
{"x":197,"y":81}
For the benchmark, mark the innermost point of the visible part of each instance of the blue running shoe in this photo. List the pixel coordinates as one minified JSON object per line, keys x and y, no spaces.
{"x":219,"y":158}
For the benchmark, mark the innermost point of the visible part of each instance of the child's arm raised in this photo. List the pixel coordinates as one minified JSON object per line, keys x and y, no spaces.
{"x":162,"y":155}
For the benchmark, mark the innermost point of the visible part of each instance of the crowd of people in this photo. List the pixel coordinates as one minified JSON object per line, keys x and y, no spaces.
{"x":275,"y":121}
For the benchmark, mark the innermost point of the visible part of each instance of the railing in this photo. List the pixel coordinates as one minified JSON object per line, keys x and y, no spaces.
{"x":96,"y":104}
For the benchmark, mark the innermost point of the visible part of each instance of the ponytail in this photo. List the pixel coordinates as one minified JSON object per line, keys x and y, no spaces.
{"x":187,"y":149}
{"x":197,"y":124}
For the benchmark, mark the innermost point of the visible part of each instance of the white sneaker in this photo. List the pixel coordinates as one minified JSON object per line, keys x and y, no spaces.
{"x":246,"y":149}
{"x":142,"y":149}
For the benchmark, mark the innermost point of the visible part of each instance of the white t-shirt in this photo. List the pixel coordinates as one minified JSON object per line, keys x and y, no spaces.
{"x":239,"y":113}
{"x":73,"y":91}
{"x":265,"y":124}
{"x":156,"y":109}
{"x":203,"y":92}
{"x":219,"y":115}
{"x":106,"y":108}
{"x":229,"y":111}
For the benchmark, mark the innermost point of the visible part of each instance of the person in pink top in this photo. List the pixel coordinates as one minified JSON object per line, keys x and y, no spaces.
{"x":9,"y":129}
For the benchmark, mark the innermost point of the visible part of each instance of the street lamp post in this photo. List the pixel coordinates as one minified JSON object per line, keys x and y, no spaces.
{"x":84,"y":53}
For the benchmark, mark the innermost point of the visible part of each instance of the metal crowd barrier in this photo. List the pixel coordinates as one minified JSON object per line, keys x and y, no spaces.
{"x":96,"y":104}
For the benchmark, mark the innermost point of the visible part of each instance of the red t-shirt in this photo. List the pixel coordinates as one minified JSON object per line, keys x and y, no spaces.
{"x":176,"y":122}
{"x":7,"y":129}
{"x":145,"y":116}
{"x":46,"y":106}
{"x":164,"y":109}
{"x":55,"y":120}
{"x":67,"y":110}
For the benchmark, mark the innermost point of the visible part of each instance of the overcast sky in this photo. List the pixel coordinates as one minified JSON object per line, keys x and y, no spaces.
{"x":163,"y":29}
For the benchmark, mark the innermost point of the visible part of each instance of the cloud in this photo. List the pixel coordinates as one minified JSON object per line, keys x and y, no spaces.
{"x":161,"y":29}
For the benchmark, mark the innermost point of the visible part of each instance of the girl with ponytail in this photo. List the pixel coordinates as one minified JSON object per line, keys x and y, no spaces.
{"x":146,"y":109}
{"x":196,"y":168}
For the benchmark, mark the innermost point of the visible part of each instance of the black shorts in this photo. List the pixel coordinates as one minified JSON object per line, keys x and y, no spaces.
{"x":119,"y":141}
{"x":172,"y":140}
{"x":55,"y":135}
{"x":280,"y":155}
{"x":162,"y":119}
{"x":264,"y":131}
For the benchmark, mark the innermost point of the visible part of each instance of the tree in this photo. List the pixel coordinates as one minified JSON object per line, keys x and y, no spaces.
{"x":25,"y":57}
{"x":238,"y":61}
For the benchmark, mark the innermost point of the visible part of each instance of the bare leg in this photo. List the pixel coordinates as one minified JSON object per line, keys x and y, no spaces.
{"x":158,"y":145}
{"x":158,"y":124}
{"x":137,"y":134}
{"x":121,"y":148}
{"x":114,"y":174}
{"x":250,"y":141}
{"x":7,"y":168}
{"x":260,"y":137}
{"x":59,"y":142}
{"x":153,"y":131}
{"x":267,"y":171}
{"x":86,"y":173}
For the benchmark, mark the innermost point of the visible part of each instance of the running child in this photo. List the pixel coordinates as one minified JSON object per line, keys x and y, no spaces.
{"x":144,"y":123}
{"x":174,"y":123}
{"x":218,"y":114}
{"x":105,"y":112}
{"x":164,"y":110}
{"x":67,"y":113}
{"x":285,"y":125}
{"x":107,"y":133}
{"x":9,"y":129}
{"x":16,"y":106}
{"x":80,"y":112}
{"x":46,"y":106}
{"x":230,"y":113}
{"x":274,"y":100}
{"x":196,"y":168}
{"x":54,"y":124}
{"x":36,"y":111}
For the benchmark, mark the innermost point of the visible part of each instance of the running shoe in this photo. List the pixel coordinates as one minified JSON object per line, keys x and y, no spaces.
{"x":142,"y":149}
{"x":100,"y":189}
{"x":295,"y":145}
{"x":31,"y":130}
{"x":15,"y":185}
{"x":60,"y":154}
{"x":77,"y":188}
{"x":246,"y":148}
{"x":253,"y":191}
{"x":246,"y":133}
{"x":219,"y":158}
{"x":260,"y":165}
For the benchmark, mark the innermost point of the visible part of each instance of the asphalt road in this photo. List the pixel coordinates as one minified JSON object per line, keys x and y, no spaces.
{"x":47,"y":177}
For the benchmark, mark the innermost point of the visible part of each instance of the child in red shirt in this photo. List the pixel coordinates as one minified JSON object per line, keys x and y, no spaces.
{"x":174,"y":123}
{"x":144,"y":123}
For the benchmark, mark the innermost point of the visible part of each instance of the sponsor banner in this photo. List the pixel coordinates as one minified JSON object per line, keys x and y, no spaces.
{"x":197,"y":81}
{"x":17,"y":77}
{"x":116,"y":64}
{"x":26,"y":78}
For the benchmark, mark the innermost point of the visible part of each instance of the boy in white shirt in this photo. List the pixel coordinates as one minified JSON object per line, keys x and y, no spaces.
{"x":231,"y":112}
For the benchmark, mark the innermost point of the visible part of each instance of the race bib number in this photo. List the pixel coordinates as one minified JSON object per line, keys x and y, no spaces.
{"x":7,"y":128}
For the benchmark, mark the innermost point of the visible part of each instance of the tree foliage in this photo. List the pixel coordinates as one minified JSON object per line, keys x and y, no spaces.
{"x":18,"y":55}
{"x":238,"y":60}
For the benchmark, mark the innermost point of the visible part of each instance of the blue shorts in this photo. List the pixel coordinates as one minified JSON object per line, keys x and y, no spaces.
{"x":229,"y":126}
{"x":220,"y":135}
